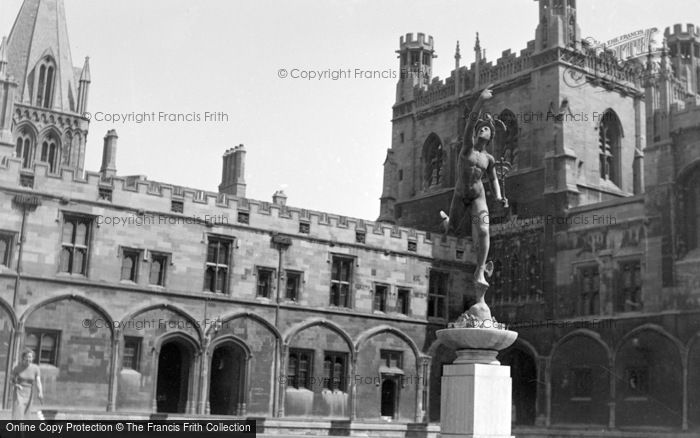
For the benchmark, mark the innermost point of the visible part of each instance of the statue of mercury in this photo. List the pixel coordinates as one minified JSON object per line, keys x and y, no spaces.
{"x":470,"y":197}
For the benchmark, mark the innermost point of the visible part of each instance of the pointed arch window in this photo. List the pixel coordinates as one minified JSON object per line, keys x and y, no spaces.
{"x":508,"y":150}
{"x":433,"y":162}
{"x":25,"y":147}
{"x":50,"y":152}
{"x":609,"y":138}
{"x":68,"y":145}
{"x":45,"y":74}
{"x":691,"y":191}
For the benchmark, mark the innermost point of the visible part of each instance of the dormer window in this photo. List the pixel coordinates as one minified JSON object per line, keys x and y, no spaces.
{"x":45,"y":73}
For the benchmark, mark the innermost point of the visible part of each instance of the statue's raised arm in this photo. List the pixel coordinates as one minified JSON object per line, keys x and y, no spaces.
{"x":473,"y":118}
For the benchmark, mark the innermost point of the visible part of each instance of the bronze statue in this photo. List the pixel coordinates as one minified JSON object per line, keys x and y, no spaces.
{"x":470,"y":197}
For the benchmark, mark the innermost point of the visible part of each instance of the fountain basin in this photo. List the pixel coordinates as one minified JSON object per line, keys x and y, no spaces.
{"x":477,"y":345}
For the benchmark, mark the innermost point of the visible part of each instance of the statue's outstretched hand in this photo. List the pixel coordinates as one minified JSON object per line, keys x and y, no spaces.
{"x":487,"y":93}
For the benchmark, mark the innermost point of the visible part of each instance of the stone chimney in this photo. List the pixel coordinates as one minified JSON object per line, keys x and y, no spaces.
{"x":109,"y":154}
{"x":279,"y":198}
{"x":233,"y":172}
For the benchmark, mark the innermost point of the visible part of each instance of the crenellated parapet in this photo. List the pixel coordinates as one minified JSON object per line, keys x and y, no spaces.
{"x":686,"y":114}
{"x":421,"y":41}
{"x":689,"y":31}
{"x":139,"y":197}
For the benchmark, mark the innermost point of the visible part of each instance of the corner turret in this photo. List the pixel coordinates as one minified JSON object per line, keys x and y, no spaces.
{"x":415,"y":64}
{"x":558,"y":26}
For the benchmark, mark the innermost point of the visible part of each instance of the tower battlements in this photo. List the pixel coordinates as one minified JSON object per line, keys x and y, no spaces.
{"x":420,"y":42}
{"x":686,"y":113}
{"x":679,"y":32}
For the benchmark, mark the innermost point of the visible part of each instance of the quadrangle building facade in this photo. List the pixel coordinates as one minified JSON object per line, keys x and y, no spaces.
{"x":141,"y":297}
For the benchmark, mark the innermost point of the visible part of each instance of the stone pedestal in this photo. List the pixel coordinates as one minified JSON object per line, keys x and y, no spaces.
{"x":476,"y":389}
{"x":475,"y":401}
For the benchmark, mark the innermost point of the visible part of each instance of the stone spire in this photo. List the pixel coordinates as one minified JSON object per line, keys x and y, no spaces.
{"x":3,"y":57}
{"x":83,"y":86}
{"x":40,"y":33}
{"x":458,"y":57}
{"x":477,"y":61}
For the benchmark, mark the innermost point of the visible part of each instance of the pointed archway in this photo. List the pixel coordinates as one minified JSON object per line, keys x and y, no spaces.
{"x":227,"y":380}
{"x":390,"y":397}
{"x":523,"y":371}
{"x":175,"y":363}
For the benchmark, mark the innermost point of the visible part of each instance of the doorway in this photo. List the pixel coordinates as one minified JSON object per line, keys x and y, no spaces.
{"x":174,"y":362}
{"x":226,"y":381}
{"x":390,"y":397}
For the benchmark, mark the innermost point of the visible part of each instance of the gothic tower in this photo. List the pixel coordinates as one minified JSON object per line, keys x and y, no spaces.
{"x":684,"y":50}
{"x":42,"y":95}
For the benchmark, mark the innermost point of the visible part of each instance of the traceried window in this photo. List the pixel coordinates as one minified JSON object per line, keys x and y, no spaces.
{"x":437,"y":294}
{"x":334,"y":366}
{"x":50,"y":152}
{"x":433,"y":157}
{"x":609,"y":138}
{"x":44,"y":344}
{"x":45,"y":73}
{"x":300,"y":368}
{"x":508,"y":139}
{"x":217,"y":265}
{"x":25,"y":147}
{"x":589,"y":297}
{"x":691,"y":197}
{"x":341,"y":280}
{"x":75,"y":240}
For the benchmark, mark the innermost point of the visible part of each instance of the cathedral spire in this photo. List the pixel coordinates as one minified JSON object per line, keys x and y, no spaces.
{"x":3,"y":57}
{"x":39,"y":57}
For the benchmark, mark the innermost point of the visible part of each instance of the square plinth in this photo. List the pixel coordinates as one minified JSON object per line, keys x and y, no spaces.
{"x":475,"y":401}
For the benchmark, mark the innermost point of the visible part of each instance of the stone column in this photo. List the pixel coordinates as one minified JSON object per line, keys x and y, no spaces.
{"x":114,"y":371}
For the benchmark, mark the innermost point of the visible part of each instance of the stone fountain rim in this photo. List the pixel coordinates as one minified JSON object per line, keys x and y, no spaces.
{"x":501,"y":343}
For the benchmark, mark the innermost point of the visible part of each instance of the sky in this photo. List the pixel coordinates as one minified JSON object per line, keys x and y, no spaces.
{"x":322,"y":141}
